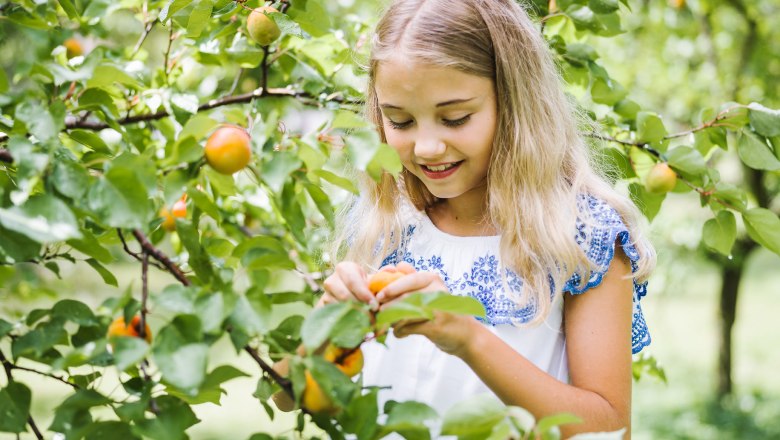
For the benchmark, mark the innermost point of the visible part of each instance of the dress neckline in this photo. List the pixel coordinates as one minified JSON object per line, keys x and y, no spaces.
{"x":434,"y":230}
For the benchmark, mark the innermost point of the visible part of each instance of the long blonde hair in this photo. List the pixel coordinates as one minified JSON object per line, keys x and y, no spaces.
{"x":539,"y":167}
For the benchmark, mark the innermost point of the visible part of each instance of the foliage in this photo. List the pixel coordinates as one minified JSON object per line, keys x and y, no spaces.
{"x":94,"y":145}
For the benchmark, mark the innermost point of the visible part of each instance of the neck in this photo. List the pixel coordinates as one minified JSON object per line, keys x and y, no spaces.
{"x":464,"y":215}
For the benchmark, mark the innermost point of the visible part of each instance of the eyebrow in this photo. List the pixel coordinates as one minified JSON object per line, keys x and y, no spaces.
{"x":441,"y":104}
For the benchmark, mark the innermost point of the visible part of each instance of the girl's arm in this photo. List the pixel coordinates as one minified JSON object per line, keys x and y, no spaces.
{"x":597,"y":324}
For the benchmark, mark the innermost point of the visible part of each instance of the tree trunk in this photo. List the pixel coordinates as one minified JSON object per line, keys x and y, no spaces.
{"x":731,"y":275}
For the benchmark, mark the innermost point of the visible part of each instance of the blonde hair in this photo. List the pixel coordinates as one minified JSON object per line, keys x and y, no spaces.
{"x":539,"y":168}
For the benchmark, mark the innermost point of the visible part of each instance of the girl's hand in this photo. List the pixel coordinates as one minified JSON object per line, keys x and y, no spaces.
{"x":450,"y":332}
{"x":348,"y":282}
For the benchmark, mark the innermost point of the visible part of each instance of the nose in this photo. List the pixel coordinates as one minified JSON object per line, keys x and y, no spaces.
{"x":428,"y":145}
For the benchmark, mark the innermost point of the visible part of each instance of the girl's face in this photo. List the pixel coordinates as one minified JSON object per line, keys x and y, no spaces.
{"x":441,"y":121}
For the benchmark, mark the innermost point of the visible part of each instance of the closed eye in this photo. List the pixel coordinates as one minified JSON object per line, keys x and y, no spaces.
{"x":456,"y":122}
{"x":399,"y":125}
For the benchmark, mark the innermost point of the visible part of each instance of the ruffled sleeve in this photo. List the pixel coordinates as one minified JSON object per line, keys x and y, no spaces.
{"x":597,"y":234}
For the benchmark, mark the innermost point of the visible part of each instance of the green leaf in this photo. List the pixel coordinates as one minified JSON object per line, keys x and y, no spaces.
{"x":765,"y":121}
{"x":90,"y":140}
{"x":211,"y":391}
{"x":276,"y":171}
{"x":67,"y":6}
{"x":607,"y":92}
{"x":322,"y":201}
{"x":37,"y":342}
{"x":204,"y":203}
{"x":385,"y":159}
{"x":199,"y":18}
{"x":603,"y":6}
{"x":422,"y":305}
{"x":763,"y":226}
{"x":648,"y":203}
{"x":39,"y":120}
{"x":720,"y":232}
{"x":318,"y":326}
{"x":252,"y":313}
{"x":549,"y":422}
{"x":339,"y":181}
{"x":687,"y":160}
{"x":14,"y":407}
{"x":171,"y":8}
{"x":311,"y":16}
{"x":3,"y":81}
{"x":110,"y":429}
{"x":70,"y":179}
{"x":104,"y":273}
{"x":362,"y":146}
{"x":650,"y":128}
{"x":108,"y":75}
{"x":116,"y":200}
{"x":42,"y":218}
{"x":184,"y":367}
{"x":409,"y":419}
{"x":474,"y":416}
{"x":128,"y":351}
{"x":5,"y":327}
{"x":756,"y":153}
{"x":89,"y":245}
{"x":97,"y":98}
{"x":74,"y":311}
{"x":171,"y":422}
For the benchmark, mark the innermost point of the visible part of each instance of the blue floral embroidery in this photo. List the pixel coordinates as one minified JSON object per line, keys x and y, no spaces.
{"x":483,"y":281}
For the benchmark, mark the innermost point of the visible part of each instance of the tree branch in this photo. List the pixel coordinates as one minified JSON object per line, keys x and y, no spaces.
{"x":5,"y":155}
{"x":161,"y":257}
{"x":8,"y":366}
{"x":282,"y":381}
{"x":133,"y":254}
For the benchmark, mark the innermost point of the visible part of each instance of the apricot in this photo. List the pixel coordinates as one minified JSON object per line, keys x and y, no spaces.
{"x":349,"y":361}
{"x":314,"y":399}
{"x":262,"y":28}
{"x":73,"y":48}
{"x":119,"y":328}
{"x":179,"y":210}
{"x":661,"y":179}
{"x":228,"y":149}
{"x":379,"y":280}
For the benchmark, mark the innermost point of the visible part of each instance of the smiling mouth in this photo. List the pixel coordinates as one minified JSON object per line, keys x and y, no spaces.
{"x":440,"y":171}
{"x":440,"y":168}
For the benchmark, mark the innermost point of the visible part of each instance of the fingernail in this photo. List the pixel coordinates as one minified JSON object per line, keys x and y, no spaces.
{"x":380,"y":297}
{"x":374,"y":304}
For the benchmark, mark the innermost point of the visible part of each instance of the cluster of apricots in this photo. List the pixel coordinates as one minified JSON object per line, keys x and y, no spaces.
{"x":169,"y":216}
{"x":119,"y":328}
{"x":349,"y":361}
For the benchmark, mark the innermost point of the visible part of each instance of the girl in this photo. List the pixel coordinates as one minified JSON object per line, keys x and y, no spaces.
{"x":498,"y":200}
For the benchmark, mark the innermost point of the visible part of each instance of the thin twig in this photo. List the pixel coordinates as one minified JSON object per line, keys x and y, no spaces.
{"x":148,"y":26}
{"x":13,"y":366}
{"x":134,"y":254}
{"x":161,"y":257}
{"x":264,"y":80}
{"x":9,"y":374}
{"x":168,"y":50}
{"x":282,"y":381}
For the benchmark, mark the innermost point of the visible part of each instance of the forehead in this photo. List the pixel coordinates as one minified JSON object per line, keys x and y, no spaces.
{"x":405,"y":83}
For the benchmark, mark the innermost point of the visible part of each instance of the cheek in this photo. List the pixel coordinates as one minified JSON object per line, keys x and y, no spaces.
{"x":399,"y":143}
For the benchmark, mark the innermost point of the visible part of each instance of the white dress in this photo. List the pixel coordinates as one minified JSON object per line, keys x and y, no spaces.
{"x":413,"y":368}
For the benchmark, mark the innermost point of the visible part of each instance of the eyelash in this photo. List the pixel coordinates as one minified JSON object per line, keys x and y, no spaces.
{"x":446,"y":122}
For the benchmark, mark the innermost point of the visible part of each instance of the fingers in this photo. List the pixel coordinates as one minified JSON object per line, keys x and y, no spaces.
{"x":349,"y":281}
{"x":405,"y":267}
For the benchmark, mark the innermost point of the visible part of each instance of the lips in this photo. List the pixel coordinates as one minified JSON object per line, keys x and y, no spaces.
{"x":440,"y":170}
